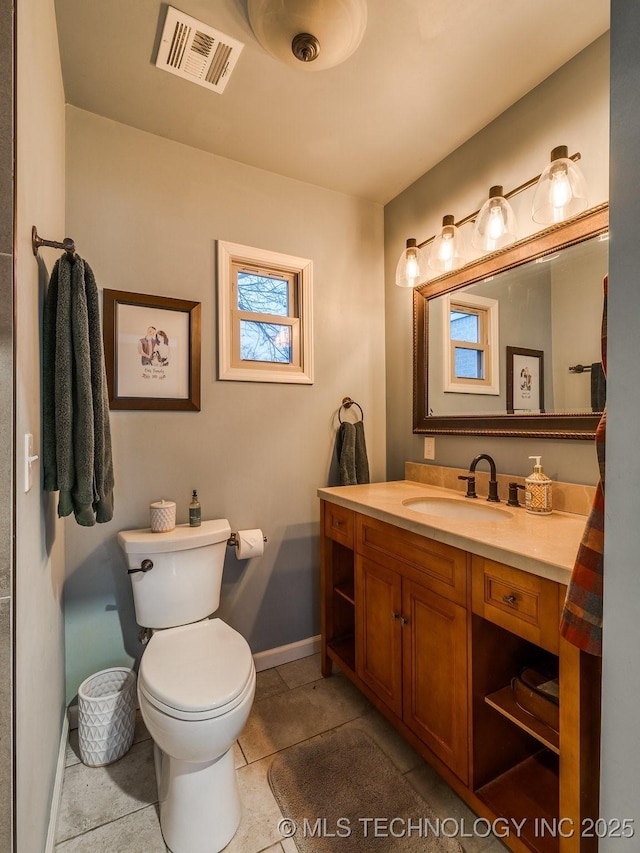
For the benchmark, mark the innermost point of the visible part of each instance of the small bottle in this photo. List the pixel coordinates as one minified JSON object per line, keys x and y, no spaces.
{"x":538,"y":490}
{"x":195,"y":512}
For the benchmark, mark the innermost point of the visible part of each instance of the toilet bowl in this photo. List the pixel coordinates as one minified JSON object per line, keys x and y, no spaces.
{"x":196,"y":683}
{"x":195,"y":687}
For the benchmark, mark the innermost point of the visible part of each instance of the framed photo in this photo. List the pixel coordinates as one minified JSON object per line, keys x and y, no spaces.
{"x":152,"y":351}
{"x":525,"y":381}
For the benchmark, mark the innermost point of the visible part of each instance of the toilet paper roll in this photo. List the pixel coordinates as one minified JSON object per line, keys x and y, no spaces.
{"x":162,"y":516}
{"x":250,"y":544}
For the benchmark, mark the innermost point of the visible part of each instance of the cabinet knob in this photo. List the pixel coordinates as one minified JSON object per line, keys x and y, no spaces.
{"x":395,"y":615}
{"x":510,"y":600}
{"x":404,"y":621}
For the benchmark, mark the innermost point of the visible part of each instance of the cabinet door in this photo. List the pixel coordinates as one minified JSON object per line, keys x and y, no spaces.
{"x":378,"y":631}
{"x":435,"y":674}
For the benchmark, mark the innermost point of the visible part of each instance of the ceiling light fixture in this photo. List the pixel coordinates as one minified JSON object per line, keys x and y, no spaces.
{"x":309,"y":34}
{"x":495,"y":225}
{"x":495,"y":222}
{"x":561,"y":190}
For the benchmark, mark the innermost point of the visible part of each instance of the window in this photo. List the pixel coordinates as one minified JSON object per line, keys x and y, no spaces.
{"x":471,"y":358}
{"x":264,"y":307}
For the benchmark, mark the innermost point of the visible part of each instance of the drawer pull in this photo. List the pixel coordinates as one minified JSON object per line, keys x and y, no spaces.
{"x":338,"y":522}
{"x":511,"y":600}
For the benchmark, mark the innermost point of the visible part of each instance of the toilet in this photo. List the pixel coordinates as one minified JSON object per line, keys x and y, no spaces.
{"x":196,"y":681}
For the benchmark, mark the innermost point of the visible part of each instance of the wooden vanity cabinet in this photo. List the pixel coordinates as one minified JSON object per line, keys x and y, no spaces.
{"x":379,"y":631}
{"x":521,"y":768}
{"x":337,"y":602}
{"x":433,"y":636}
{"x":411,"y":642}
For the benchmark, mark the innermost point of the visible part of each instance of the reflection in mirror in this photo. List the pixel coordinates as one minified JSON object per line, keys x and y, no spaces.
{"x":510,"y":345}
{"x":553,"y":305}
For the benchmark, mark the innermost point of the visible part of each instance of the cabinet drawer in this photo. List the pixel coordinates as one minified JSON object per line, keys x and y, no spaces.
{"x":439,"y":567}
{"x":524,"y":604}
{"x":339,"y":524}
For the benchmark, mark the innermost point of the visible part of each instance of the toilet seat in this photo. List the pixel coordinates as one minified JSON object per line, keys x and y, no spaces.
{"x":197,"y":671}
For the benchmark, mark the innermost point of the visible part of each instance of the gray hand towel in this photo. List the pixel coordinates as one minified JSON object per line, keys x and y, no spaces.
{"x":362,"y":463}
{"x":76,"y":431}
{"x":598,"y":387}
{"x":346,"y":447}
{"x":352,"y":454}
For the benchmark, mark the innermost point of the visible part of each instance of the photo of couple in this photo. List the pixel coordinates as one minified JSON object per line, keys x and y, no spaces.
{"x":154,"y":347}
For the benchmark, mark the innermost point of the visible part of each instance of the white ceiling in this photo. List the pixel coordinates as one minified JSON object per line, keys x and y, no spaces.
{"x":427,"y":76}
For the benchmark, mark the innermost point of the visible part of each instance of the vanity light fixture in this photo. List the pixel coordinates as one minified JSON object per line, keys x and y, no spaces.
{"x":311,"y":35}
{"x":568,"y":199}
{"x":412,"y":266}
{"x":495,"y":225}
{"x":561,"y":191}
{"x":448,"y":251}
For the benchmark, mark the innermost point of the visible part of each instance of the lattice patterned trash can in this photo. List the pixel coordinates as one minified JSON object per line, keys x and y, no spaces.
{"x":106,"y":715}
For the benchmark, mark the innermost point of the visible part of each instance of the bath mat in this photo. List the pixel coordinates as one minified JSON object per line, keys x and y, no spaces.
{"x":342,"y":793}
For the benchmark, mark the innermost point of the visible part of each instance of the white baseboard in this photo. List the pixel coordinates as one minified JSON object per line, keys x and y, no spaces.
{"x":57,"y":787}
{"x":285,"y":654}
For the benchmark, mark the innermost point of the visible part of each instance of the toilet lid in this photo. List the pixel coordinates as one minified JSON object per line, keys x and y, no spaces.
{"x":196,"y":668}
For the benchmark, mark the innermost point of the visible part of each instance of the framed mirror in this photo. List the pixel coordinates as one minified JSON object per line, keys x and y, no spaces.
{"x":509,"y":345}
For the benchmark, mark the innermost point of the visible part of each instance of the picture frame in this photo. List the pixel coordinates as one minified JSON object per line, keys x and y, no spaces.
{"x":525,"y":381}
{"x":152,"y":351}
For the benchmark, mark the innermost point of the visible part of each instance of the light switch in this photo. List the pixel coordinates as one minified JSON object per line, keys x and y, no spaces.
{"x":29,"y":459}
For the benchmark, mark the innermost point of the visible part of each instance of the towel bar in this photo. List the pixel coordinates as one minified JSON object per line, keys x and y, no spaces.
{"x":580,"y":368}
{"x":67,"y":244}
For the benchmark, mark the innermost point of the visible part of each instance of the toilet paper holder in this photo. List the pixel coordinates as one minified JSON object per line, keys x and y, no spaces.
{"x":233,"y":540}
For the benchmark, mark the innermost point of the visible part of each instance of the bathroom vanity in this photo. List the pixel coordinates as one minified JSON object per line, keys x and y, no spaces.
{"x":431,"y":609}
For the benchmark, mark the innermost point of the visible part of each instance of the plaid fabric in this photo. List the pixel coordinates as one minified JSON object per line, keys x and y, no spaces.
{"x":581,"y":621}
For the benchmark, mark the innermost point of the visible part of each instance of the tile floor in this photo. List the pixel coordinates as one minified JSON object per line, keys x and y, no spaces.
{"x":114,"y":809}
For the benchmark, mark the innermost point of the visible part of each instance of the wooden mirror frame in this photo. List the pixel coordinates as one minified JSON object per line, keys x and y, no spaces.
{"x":591,"y":223}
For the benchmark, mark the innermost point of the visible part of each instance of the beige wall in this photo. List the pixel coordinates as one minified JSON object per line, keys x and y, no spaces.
{"x":40,"y":544}
{"x":146,"y":213}
{"x":569,"y":108}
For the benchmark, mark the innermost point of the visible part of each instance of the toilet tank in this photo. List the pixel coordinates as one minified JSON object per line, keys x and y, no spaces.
{"x":184,"y":584}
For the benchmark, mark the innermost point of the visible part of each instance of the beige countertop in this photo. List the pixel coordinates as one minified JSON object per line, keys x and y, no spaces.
{"x":542,"y":545}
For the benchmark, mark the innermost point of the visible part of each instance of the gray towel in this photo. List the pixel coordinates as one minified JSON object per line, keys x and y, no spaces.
{"x":76,"y":432}
{"x":598,"y":387}
{"x":352,"y":454}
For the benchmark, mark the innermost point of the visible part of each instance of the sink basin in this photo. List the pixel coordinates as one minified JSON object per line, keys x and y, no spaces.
{"x":460,"y":508}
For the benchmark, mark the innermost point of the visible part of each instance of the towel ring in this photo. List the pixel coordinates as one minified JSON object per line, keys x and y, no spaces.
{"x":347,"y":402}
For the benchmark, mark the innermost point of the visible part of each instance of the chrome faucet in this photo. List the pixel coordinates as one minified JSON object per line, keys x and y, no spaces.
{"x":471,"y":480}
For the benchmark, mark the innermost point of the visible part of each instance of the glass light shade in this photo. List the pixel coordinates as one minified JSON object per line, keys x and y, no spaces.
{"x":326,"y":32}
{"x":495,"y":225}
{"x":561,"y":191}
{"x":448,"y":249}
{"x":412,"y":266}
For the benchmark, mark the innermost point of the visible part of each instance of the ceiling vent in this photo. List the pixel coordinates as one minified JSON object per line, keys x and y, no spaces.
{"x":197,"y":52}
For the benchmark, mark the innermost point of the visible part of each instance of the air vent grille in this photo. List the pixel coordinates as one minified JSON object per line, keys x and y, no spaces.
{"x":197,"y":52}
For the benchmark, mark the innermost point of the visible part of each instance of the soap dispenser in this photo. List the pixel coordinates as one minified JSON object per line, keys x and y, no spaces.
{"x":538,"y":490}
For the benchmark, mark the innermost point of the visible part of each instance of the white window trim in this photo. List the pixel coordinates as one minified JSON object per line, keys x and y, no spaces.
{"x":491,"y":307}
{"x":304,"y":268}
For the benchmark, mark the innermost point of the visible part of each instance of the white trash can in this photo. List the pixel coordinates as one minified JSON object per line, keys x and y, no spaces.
{"x":106,"y":715}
